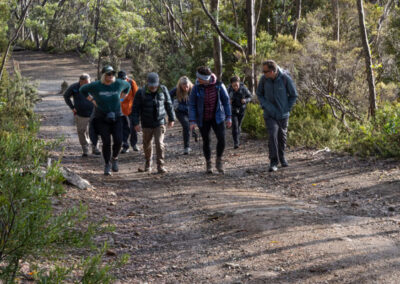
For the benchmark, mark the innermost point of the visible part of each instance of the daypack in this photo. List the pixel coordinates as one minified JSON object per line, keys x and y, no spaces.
{"x":285,"y":75}
{"x":126,"y":104}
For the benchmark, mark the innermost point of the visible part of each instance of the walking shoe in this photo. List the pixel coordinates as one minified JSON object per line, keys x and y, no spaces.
{"x":208,"y":167}
{"x":219,"y":165}
{"x":135,"y":148}
{"x":186,"y":151}
{"x":284,"y":163}
{"x":84,"y":155}
{"x":273,"y":168}
{"x":95,"y":150}
{"x":236,"y":146}
{"x":114,"y":165}
{"x":161,"y":170}
{"x":124,"y":150}
{"x":107,"y":169}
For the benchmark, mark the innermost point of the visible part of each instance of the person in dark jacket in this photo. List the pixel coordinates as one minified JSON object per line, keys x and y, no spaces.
{"x":209,"y":108}
{"x":180,"y":96}
{"x":82,"y":110}
{"x":106,"y":94}
{"x":152,"y":103}
{"x":239,"y":96}
{"x":277,"y":94}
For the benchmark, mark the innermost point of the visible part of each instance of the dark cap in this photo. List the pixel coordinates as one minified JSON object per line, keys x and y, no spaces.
{"x":153,"y":80}
{"x":121,"y":75}
{"x":107,"y":69}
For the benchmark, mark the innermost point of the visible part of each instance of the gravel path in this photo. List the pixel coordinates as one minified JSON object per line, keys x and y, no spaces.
{"x":328,"y":218}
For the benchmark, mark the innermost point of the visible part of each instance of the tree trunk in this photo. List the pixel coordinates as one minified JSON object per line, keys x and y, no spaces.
{"x":336,"y":37}
{"x":251,"y":43}
{"x":217,"y":42}
{"x":235,"y":13}
{"x":368,"y":59}
{"x":97,"y":21}
{"x":298,"y":17}
{"x":14,"y":37}
{"x":52,"y":24}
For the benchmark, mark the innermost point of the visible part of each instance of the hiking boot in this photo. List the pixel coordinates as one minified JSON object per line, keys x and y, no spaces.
{"x":107,"y":169}
{"x":186,"y":151}
{"x":114,"y":165}
{"x":284,"y":163}
{"x":273,"y":168}
{"x":135,"y":148}
{"x":208,"y":167}
{"x":125,"y":150}
{"x":84,"y":155}
{"x":219,"y":165}
{"x":95,"y":150}
{"x":236,"y":146}
{"x":161,"y":170}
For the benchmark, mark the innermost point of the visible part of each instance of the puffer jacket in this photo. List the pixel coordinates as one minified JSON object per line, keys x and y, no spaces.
{"x":150,"y":109}
{"x":183,"y":106}
{"x":236,"y":98}
{"x":277,"y":96}
{"x":196,"y":104}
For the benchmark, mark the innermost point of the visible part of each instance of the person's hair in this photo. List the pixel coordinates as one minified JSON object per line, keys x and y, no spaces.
{"x":271,"y":65}
{"x":235,"y":79}
{"x":103,"y":78}
{"x":84,"y":76}
{"x":180,"y":94}
{"x":204,"y":70}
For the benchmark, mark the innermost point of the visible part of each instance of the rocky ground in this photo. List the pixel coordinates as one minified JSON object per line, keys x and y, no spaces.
{"x":328,"y":218}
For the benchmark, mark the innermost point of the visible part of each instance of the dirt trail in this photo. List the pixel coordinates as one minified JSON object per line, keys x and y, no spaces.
{"x":328,"y":218}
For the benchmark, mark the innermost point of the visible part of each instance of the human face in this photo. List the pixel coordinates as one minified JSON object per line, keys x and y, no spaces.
{"x":185,"y":88}
{"x":203,"y":82}
{"x":153,"y":89}
{"x":235,"y":86}
{"x":109,"y":78}
{"x":270,"y":74}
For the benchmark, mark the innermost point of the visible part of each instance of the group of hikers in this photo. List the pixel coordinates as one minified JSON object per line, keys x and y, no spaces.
{"x":114,"y":108}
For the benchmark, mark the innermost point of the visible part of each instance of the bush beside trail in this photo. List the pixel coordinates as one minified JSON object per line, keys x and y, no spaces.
{"x":30,"y":228}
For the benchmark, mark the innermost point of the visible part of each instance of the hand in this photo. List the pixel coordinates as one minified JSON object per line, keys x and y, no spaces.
{"x":171,"y":124}
{"x":74,"y":111}
{"x":138,"y":128}
{"x":192,"y":127}
{"x":243,"y":101}
{"x":229,"y":124}
{"x":123,"y":96}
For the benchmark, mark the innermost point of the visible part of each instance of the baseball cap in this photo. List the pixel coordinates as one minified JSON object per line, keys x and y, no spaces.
{"x":121,"y":75}
{"x":153,"y":80}
{"x":107,"y":69}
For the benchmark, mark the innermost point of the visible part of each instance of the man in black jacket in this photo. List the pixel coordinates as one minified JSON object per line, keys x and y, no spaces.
{"x":82,"y":109}
{"x":152,"y":103}
{"x":239,"y":96}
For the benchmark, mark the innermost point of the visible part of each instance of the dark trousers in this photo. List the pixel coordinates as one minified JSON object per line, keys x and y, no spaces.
{"x":219,"y":130}
{"x":106,"y":130}
{"x":93,"y":135}
{"x":183,"y":118}
{"x":128,"y":129}
{"x":237,"y":119}
{"x":277,"y":132}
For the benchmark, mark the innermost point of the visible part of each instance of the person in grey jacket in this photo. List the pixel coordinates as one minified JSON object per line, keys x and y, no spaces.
{"x":277,"y":95}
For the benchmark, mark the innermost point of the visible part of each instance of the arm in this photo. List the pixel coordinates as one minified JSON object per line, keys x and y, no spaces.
{"x":226,"y":102}
{"x":172,"y":93}
{"x":292,"y":93}
{"x":136,"y":107}
{"x":193,"y":106}
{"x":67,"y":97}
{"x":247,"y":95}
{"x":126,"y":88}
{"x":168,"y":106}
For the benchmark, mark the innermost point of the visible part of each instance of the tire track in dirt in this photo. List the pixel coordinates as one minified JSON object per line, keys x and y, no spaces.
{"x":299,"y":225}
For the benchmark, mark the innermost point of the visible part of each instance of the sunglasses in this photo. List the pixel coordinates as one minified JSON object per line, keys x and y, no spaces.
{"x":110,"y":74}
{"x":266,"y":72}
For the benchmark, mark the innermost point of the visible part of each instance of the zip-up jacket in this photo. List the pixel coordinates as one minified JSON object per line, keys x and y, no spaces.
{"x":277,"y":96}
{"x":83,"y":107}
{"x":237,"y":96}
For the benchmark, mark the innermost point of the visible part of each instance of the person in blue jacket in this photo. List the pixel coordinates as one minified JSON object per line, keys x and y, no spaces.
{"x":209,"y":107}
{"x":180,"y":95}
{"x":277,"y":95}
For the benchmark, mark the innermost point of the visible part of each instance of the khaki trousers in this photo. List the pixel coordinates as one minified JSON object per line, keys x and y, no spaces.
{"x":82,"y":126}
{"x":158,"y":134}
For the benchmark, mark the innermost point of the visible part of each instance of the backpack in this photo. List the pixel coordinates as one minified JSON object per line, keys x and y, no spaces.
{"x":126,"y":104}
{"x":285,"y":75}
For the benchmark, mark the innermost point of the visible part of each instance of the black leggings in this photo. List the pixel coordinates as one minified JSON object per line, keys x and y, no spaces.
{"x":219,"y":130}
{"x":106,"y":130}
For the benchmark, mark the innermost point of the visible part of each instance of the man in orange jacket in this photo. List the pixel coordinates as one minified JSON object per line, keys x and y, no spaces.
{"x":126,"y":108}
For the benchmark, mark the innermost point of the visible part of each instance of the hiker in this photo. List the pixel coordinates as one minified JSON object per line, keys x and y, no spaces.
{"x":239,"y":96}
{"x":277,"y":94}
{"x":180,"y":96}
{"x":126,"y":108}
{"x":209,"y":108}
{"x":106,"y":94}
{"x":152,"y":103}
{"x":82,"y":110}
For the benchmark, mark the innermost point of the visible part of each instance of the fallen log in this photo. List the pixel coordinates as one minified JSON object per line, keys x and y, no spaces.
{"x":74,"y":179}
